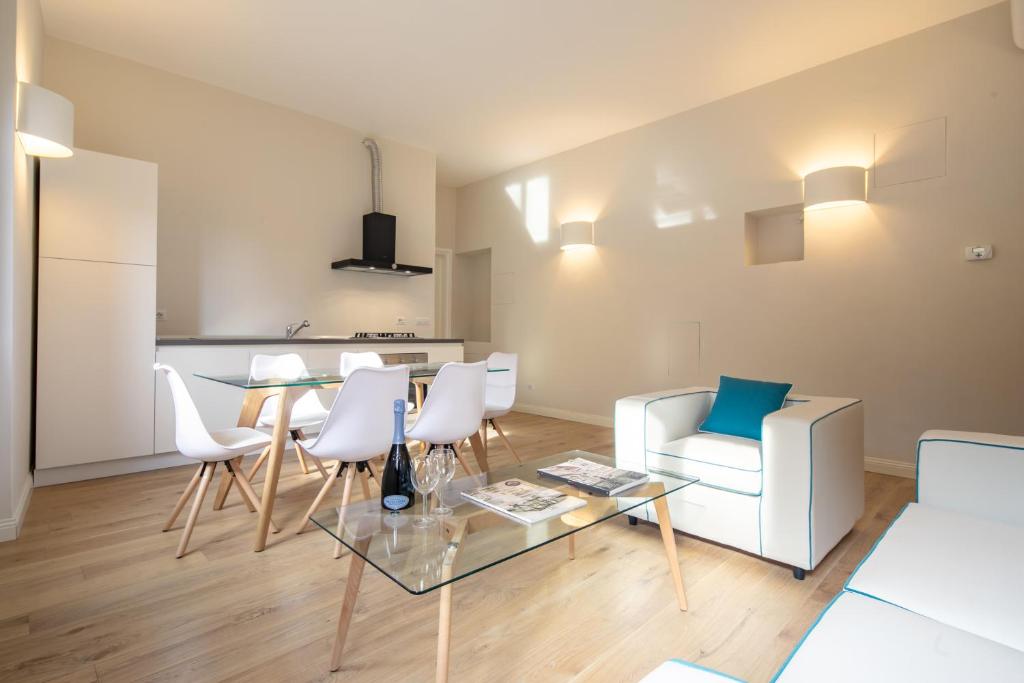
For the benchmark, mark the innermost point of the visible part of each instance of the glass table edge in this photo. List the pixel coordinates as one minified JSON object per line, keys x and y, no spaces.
{"x":300,"y":382}
{"x":689,"y":481}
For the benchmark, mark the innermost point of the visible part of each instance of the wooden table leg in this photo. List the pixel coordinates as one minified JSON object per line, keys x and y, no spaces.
{"x":419,"y":395}
{"x":455,"y":531}
{"x":284,"y":414}
{"x":669,"y":539}
{"x":355,"y":575}
{"x":479,"y":451}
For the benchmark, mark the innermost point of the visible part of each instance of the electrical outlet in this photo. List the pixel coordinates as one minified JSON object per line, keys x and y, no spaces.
{"x":402,"y":322}
{"x":979,"y":252}
{"x":161,"y":315}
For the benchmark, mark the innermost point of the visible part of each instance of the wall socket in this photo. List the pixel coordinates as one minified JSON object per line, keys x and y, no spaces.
{"x":402,"y":322}
{"x":978,"y":252}
{"x":161,"y":315}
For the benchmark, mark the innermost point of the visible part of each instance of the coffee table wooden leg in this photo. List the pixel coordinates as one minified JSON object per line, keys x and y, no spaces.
{"x":669,"y":539}
{"x":355,"y":576}
{"x":572,"y":546}
{"x":444,"y":633}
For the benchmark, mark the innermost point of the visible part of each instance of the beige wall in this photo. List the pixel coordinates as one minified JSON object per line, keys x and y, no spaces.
{"x":255,"y":201}
{"x":446,"y":198}
{"x":21,"y":53}
{"x":883,"y":307}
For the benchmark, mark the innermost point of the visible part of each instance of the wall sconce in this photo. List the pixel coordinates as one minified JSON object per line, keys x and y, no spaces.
{"x":838,"y":186}
{"x":46,"y":122}
{"x":577,"y":235}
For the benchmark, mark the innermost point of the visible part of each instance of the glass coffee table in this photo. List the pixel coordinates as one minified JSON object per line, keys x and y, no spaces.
{"x":472,"y":538}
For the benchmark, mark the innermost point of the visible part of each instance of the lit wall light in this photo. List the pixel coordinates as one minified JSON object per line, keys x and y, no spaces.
{"x":46,"y":122}
{"x":577,"y":235}
{"x":838,"y":186}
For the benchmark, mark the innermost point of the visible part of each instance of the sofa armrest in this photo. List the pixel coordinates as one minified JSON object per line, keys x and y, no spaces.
{"x":682,"y":671}
{"x":812,"y":478}
{"x":650,"y":420}
{"x":972,"y":473}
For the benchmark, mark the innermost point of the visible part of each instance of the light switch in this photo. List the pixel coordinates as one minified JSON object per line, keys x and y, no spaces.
{"x":979,"y":252}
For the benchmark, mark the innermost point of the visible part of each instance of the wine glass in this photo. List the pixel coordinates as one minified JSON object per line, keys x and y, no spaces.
{"x":425,"y":476}
{"x":445,"y":457}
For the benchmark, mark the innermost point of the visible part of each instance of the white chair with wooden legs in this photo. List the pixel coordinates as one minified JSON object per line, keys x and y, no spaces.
{"x":359,"y":427}
{"x":453,"y":410}
{"x":500,"y":395}
{"x":209,"y":448}
{"x":352,"y":360}
{"x":307,"y":412}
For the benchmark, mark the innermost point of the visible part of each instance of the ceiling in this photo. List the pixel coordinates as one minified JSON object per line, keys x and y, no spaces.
{"x":487,"y":84}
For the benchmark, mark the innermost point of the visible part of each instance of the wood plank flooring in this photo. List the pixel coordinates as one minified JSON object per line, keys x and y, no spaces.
{"x":92,"y":592}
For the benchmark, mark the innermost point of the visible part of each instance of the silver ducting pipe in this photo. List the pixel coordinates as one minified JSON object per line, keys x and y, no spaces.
{"x":376,"y":180}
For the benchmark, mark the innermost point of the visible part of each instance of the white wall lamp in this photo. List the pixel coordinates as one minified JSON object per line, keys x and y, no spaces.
{"x":46,"y":122}
{"x":577,"y":235}
{"x":837,"y":186}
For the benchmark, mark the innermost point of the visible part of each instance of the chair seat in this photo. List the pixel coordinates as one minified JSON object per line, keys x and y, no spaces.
{"x":300,"y":419}
{"x":492,"y":410}
{"x":237,"y":441}
{"x":728,"y":462}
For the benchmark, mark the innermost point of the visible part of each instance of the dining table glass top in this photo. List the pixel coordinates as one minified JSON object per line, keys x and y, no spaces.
{"x":317,"y":377}
{"x":474,"y":538}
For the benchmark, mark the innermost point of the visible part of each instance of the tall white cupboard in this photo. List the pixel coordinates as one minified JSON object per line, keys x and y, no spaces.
{"x":96,"y":309}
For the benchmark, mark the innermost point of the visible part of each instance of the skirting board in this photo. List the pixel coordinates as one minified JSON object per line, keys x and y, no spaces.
{"x":109,"y":468}
{"x":896,"y":468}
{"x":11,"y":526}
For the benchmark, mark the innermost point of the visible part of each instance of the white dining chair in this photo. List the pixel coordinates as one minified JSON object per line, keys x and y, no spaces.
{"x":351,"y":360}
{"x":193,"y":440}
{"x":453,"y":409}
{"x":359,"y":427}
{"x":307,"y":412}
{"x":500,"y":395}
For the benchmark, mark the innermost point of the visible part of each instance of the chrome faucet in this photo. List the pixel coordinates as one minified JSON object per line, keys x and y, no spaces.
{"x":294,"y":328}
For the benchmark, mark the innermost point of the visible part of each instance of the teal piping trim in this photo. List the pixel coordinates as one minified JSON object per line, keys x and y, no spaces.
{"x":917,"y":479}
{"x":693,"y":665}
{"x":655,"y":400}
{"x":874,"y":546}
{"x":705,"y":462}
{"x":814,"y":625}
{"x":810,"y":495}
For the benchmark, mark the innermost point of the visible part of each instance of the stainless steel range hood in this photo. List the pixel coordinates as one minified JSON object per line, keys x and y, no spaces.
{"x":378,"y":233}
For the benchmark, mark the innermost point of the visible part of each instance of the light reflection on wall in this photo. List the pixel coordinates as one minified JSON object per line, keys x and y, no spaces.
{"x":535,"y":206}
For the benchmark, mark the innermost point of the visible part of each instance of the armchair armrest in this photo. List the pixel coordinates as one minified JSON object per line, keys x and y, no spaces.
{"x":812,"y":477}
{"x":682,"y":671}
{"x":649,"y":420}
{"x":972,"y":473}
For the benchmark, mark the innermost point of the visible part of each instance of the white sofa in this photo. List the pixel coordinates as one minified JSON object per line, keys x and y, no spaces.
{"x":941,"y":595}
{"x":790,"y":497}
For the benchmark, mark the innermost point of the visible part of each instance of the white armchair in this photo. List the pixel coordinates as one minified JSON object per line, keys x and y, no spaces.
{"x":790,"y":497}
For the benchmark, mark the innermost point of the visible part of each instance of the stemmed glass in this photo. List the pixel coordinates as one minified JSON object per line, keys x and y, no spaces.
{"x":445,"y":457}
{"x":425,"y":475}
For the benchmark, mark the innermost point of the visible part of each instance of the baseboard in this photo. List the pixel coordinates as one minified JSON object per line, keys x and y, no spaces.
{"x":11,"y":527}
{"x":896,"y":468}
{"x":586,"y":418}
{"x":109,"y":468}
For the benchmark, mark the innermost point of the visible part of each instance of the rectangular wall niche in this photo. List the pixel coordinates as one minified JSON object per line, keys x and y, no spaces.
{"x":774,"y":235}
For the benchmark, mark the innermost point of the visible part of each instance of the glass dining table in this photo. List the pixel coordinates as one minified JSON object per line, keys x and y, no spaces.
{"x":288,"y":391}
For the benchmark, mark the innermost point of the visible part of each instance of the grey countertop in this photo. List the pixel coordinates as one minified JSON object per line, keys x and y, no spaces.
{"x":239,"y":340}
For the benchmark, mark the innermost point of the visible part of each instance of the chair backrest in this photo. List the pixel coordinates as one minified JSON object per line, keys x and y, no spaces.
{"x":352,"y":360}
{"x":284,"y":366}
{"x":501,"y":386}
{"x":190,"y":435}
{"x":454,"y":406}
{"x":361,"y":421}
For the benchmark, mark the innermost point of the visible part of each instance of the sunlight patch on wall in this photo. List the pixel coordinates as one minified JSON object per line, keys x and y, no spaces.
{"x":537,"y":209}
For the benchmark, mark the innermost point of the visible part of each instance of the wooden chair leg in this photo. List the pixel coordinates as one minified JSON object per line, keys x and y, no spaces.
{"x":245,"y":489}
{"x":346,"y":495}
{"x":373,"y":472}
{"x":508,"y":444}
{"x":364,"y":480}
{"x":298,"y":452}
{"x":258,"y":464}
{"x":319,"y":497}
{"x":180,"y":505}
{"x":204,"y":484}
{"x":319,"y":465}
{"x":462,"y":461}
{"x":225,"y":486}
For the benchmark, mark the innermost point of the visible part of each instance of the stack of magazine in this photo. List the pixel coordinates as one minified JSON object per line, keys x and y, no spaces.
{"x":522,"y":501}
{"x":595,"y":478}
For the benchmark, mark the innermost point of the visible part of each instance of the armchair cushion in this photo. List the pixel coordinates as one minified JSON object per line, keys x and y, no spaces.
{"x":726,"y":462}
{"x":741,"y":405}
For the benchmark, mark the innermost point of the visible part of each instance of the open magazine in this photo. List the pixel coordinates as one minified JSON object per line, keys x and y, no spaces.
{"x":595,"y":478}
{"x":524,"y":502}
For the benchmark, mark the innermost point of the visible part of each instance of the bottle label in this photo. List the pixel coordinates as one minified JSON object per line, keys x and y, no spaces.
{"x":395,"y":502}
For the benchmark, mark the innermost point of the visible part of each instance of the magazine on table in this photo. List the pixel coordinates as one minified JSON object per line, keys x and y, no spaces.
{"x":593,"y":477}
{"x":522,"y":501}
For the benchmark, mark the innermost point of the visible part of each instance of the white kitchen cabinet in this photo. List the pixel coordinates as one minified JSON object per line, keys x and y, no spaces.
{"x":98,"y":207}
{"x":219,"y":404}
{"x":94,"y":392}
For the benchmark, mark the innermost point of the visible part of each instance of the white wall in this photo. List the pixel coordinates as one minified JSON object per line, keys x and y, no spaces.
{"x":883,"y":307}
{"x":255,"y":201}
{"x":446,"y":198}
{"x":21,"y":40}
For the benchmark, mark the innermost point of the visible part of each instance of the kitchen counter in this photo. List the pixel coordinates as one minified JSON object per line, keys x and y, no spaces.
{"x":183,"y":340}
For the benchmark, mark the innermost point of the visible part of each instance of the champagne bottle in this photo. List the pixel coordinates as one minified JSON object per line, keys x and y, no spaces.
{"x":396,"y":489}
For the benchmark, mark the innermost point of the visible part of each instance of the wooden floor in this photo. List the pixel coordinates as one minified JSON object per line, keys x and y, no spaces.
{"x":92,"y":592}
